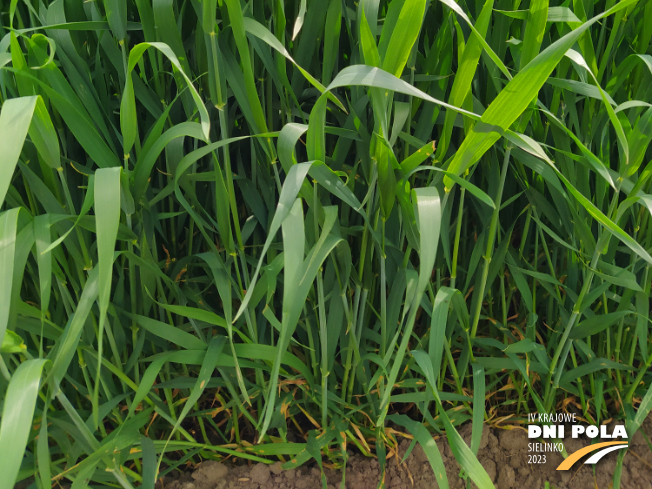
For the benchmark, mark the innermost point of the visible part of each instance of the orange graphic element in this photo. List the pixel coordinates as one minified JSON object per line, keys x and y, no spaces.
{"x":568,"y":463}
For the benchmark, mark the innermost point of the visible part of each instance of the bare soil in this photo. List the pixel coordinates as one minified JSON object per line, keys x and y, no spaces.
{"x":503,"y":453}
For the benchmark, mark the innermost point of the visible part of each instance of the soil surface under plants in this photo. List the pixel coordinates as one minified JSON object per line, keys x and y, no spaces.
{"x":503,"y":453}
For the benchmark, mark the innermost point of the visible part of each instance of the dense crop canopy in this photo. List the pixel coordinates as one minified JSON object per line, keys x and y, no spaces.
{"x":272,"y":230}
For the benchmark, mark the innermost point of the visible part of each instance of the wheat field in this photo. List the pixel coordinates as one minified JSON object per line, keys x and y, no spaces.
{"x":273,"y":229}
